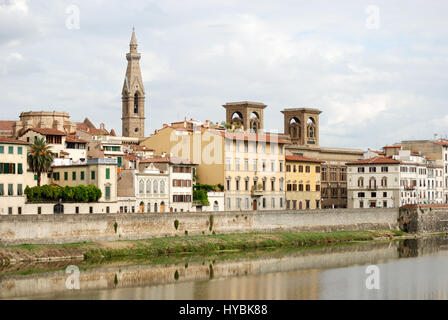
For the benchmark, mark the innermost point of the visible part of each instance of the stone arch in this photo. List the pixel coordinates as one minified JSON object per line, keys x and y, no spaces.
{"x":311,"y":127}
{"x":254,"y":122}
{"x":237,"y":118}
{"x":295,"y":128}
{"x":141,"y":207}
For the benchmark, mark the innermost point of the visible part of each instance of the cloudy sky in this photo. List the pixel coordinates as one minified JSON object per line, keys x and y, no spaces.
{"x":377,"y":69}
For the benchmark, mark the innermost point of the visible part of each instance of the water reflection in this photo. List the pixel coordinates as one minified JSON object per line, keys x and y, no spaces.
{"x":413,"y":268}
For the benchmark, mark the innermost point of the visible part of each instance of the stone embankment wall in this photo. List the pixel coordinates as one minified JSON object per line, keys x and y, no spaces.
{"x":424,"y":218}
{"x":108,"y":227}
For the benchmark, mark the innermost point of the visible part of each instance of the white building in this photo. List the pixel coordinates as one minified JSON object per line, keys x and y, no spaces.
{"x":159,"y":184}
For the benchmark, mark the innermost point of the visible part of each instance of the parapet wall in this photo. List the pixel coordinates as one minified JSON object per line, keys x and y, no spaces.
{"x":107,"y":227}
{"x":424,"y":218}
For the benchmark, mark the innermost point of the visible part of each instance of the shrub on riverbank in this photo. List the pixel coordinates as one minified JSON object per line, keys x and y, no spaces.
{"x":48,"y":193}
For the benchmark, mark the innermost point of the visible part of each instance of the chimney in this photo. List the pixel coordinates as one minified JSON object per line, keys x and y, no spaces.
{"x":164,"y":125}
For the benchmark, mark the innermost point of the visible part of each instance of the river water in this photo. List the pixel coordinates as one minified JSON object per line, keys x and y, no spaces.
{"x":410,"y":269}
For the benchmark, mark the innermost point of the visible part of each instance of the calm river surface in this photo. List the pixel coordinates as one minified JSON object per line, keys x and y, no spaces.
{"x":410,"y":269}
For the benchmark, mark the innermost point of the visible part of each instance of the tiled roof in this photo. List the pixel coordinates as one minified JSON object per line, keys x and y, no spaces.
{"x":75,"y":139}
{"x":12,"y":141}
{"x":167,"y":159}
{"x":244,"y":136}
{"x":302,"y":159}
{"x":376,"y":160}
{"x":395,"y":146}
{"x":441,"y":143}
{"x":48,"y":131}
{"x":7,"y":125}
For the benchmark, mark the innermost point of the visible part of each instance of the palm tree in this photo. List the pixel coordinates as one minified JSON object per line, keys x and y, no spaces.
{"x":40,"y":157}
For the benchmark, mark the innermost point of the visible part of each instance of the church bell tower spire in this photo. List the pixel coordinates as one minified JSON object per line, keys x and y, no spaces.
{"x":133,"y":94}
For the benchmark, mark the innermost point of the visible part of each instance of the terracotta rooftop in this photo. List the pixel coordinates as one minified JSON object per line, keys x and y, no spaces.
{"x":167,"y":159}
{"x":376,"y":160}
{"x":396,"y":146}
{"x":441,"y":143}
{"x":244,"y":136}
{"x":75,"y":139}
{"x":12,"y":141}
{"x":48,"y":131}
{"x":301,"y":159}
{"x":7,"y":125}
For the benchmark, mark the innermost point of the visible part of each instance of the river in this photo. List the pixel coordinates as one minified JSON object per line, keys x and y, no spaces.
{"x":410,"y":269}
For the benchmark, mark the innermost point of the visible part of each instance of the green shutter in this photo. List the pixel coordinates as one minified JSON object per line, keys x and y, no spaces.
{"x":2,"y":149}
{"x":107,"y":192}
{"x":119,"y":161}
{"x":10,"y":189}
{"x":92,"y":175}
{"x":19,"y":150}
{"x":65,"y":175}
{"x":19,"y":168}
{"x":74,"y":175}
{"x":2,"y":190}
{"x":19,"y":190}
{"x":11,"y":150}
{"x":82,"y":175}
{"x":107,"y":173}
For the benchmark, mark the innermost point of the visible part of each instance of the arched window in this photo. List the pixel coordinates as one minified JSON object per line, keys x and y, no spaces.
{"x":162,"y":187}
{"x":136,"y":103}
{"x":155,"y":186}
{"x":311,"y":127}
{"x":294,"y":128}
{"x":384,"y":182}
{"x":149,"y":207}
{"x":361,"y":182}
{"x":148,"y":187}
{"x":215,"y":206}
{"x":141,"y":187}
{"x":372,"y":183}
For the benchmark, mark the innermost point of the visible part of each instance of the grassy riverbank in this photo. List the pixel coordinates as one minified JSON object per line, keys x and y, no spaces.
{"x":205,"y":244}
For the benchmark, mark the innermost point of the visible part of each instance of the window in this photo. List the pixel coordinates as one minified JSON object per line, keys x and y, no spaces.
{"x":19,"y":150}
{"x":39,"y":210}
{"x":238,"y":203}
{"x":237,"y":186}
{"x":272,"y":185}
{"x":136,"y":103}
{"x":361,"y":195}
{"x":307,"y":169}
{"x":19,"y":168}
{"x":107,"y":192}
{"x":246,"y":185}
{"x":384,"y":169}
{"x":264,"y":165}
{"x":308,"y":187}
{"x":246,"y":146}
{"x":281,"y":166}
{"x":361,"y":204}
{"x":227,"y":163}
{"x":372,"y":169}
{"x":82,"y":175}
{"x":281,"y":202}
{"x":10,"y":150}
{"x":300,"y":168}
{"x":384,"y":194}
{"x":2,"y":149}
{"x":317,"y":169}
{"x":92,"y":175}
{"x":90,"y":210}
{"x":19,"y":189}
{"x":228,"y":203}
{"x":272,"y":166}
{"x":361,"y":182}
{"x":65,"y":175}
{"x":74,"y":175}
{"x":228,"y":184}
{"x":107,"y":173}
{"x":9,"y":210}
{"x":56,"y":176}
{"x":246,"y":165}
{"x":2,"y":190}
{"x":361,"y":169}
{"x":10,"y":189}
{"x":272,"y":202}
{"x":384,"y":204}
{"x":237,"y":164}
{"x":246,"y":203}
{"x":317,"y":187}
{"x":264,"y":202}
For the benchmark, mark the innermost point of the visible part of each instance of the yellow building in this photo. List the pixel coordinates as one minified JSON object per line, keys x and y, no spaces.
{"x":302,"y":183}
{"x":249,"y":166}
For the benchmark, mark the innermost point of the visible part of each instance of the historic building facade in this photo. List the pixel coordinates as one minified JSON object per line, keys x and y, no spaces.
{"x":303,"y":178}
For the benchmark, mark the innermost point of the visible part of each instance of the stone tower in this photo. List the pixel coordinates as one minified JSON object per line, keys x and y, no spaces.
{"x":133,"y":95}
{"x":246,"y":114}
{"x":302,"y":125}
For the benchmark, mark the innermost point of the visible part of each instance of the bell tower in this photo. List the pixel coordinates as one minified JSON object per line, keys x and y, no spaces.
{"x":133,"y":95}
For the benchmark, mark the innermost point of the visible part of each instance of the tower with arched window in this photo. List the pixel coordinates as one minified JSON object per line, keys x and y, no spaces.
{"x":133,"y":95}
{"x":247,"y":115}
{"x":302,"y":125}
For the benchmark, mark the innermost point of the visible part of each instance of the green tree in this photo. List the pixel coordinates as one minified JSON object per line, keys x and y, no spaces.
{"x":40,"y":158}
